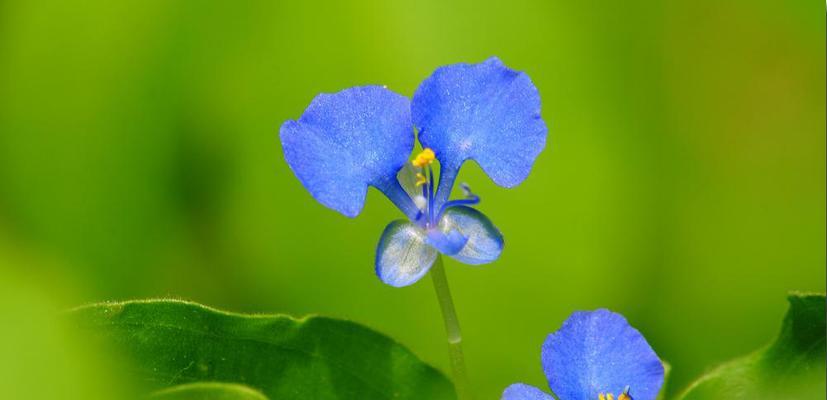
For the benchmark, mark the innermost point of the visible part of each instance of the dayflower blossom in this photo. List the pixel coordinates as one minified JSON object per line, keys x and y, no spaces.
{"x":364,"y":136}
{"x":595,"y":355}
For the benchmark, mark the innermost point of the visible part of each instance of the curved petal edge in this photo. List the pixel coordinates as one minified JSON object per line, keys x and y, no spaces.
{"x":347,"y":141}
{"x":485,"y":112}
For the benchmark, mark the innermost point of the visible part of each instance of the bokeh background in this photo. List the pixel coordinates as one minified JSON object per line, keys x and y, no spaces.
{"x":684,"y":183}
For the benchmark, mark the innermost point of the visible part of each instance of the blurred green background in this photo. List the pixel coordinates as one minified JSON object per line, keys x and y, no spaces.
{"x":684,"y":182}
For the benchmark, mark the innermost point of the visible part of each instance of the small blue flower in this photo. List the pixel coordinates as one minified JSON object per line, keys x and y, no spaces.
{"x":596,"y":355}
{"x":363,"y":136}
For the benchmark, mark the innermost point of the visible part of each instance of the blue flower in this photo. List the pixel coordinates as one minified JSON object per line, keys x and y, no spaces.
{"x":596,"y":355}
{"x":363,"y":136}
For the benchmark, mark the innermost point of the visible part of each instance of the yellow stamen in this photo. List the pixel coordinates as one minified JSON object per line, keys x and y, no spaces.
{"x":421,"y":179}
{"x":610,"y":397}
{"x":424,"y":158}
{"x":602,"y":396}
{"x":624,"y":396}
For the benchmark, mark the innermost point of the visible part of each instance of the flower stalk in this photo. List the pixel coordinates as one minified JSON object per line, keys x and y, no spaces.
{"x":449,"y":317}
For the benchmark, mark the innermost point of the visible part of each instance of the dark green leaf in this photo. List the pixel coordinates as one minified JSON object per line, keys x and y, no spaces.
{"x":174,"y":342}
{"x":792,"y":367}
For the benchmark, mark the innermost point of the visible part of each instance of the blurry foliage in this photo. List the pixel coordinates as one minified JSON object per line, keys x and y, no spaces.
{"x":685,"y":167}
{"x":208,"y":391}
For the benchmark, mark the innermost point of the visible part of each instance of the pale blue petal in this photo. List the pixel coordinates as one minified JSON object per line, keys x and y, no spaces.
{"x":485,"y":242}
{"x":349,"y":140}
{"x":485,"y":112}
{"x":521,"y":391}
{"x":402,"y":256}
{"x":449,"y":242}
{"x":599,"y":352}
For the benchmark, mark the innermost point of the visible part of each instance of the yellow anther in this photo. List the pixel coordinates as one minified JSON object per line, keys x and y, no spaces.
{"x":424,"y":158}
{"x":421,"y":179}
{"x":609,"y":396}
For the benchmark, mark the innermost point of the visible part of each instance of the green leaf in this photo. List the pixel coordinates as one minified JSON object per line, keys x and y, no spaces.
{"x":208,"y":391}
{"x":667,"y":371}
{"x":792,"y":367}
{"x":174,"y":342}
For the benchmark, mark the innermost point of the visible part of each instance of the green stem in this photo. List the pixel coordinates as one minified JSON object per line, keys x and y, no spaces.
{"x":449,"y":316}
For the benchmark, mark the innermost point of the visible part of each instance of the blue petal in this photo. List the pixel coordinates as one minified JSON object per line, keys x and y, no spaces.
{"x":599,"y":352}
{"x":346,"y":141}
{"x":485,"y":112}
{"x":402,"y":256}
{"x":485,"y":242}
{"x":521,"y":391}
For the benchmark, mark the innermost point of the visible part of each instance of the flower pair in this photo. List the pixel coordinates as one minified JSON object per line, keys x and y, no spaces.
{"x":364,"y":136}
{"x":596,"y":355}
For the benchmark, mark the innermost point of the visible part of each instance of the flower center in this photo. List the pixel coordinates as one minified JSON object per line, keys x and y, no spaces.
{"x":424,"y":177}
{"x":623,"y":396}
